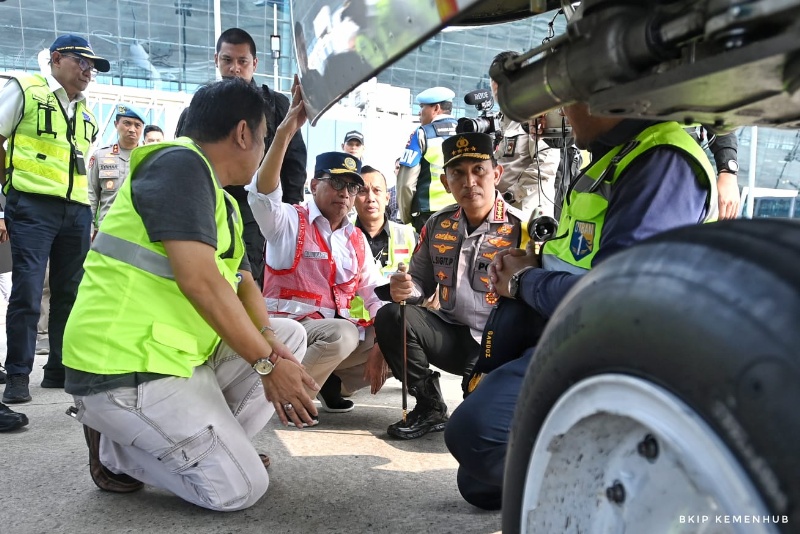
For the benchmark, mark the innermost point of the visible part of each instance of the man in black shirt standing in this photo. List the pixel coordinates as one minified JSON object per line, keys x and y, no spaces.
{"x":236,"y":58}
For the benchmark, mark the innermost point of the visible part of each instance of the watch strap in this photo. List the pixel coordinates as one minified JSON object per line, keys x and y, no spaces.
{"x":517,"y":276}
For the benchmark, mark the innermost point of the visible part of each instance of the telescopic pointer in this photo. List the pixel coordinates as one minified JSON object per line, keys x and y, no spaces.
{"x":402,"y":268}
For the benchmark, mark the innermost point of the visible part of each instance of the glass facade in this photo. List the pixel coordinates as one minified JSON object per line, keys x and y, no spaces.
{"x":154,"y":44}
{"x":169,"y":45}
{"x":459,"y":58}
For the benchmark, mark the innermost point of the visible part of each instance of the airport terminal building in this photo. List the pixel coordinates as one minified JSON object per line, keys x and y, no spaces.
{"x":161,"y":50}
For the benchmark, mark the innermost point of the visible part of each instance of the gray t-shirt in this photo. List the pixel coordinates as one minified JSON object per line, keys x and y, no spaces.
{"x":173,"y":193}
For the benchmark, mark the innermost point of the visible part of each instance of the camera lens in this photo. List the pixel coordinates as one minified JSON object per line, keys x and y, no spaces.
{"x":476,"y":125}
{"x":542,"y":228}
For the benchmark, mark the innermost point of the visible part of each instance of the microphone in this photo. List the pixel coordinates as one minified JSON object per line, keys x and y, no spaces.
{"x":477,"y":97}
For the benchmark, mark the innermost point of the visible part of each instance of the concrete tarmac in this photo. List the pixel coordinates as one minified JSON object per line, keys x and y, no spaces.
{"x":343,"y":476}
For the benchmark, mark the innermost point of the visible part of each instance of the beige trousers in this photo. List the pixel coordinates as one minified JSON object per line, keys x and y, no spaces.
{"x":191,"y":436}
{"x":333,"y":345}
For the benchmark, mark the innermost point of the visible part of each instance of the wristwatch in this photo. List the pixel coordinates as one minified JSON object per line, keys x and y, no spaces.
{"x":263,"y":366}
{"x":731,"y":166}
{"x":513,"y":282}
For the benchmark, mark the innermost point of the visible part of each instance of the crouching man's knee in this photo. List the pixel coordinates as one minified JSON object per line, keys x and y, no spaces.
{"x":220,"y":476}
{"x":388,"y":317}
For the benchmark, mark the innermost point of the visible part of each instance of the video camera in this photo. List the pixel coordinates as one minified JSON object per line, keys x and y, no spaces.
{"x":488,"y":122}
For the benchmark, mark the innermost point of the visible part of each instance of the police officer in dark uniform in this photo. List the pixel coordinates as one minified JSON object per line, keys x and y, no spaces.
{"x":108,"y":166}
{"x":456,"y":246}
{"x":420,"y":194}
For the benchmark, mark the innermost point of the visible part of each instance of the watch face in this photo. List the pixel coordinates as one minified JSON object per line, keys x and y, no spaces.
{"x":263,"y":366}
{"x":733,"y":165}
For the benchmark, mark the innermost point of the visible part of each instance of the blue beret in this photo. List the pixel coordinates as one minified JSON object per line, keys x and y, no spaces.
{"x":434,"y":95}
{"x":125,"y":110}
{"x":339,"y":163}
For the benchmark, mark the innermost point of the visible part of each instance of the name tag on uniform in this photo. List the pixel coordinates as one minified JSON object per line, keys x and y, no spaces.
{"x":315,"y":255}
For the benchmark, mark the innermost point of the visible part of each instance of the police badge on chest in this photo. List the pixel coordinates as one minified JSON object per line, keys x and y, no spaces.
{"x":509,"y":146}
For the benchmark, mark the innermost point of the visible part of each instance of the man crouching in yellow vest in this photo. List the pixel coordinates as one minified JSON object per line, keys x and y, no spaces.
{"x":170,"y":354}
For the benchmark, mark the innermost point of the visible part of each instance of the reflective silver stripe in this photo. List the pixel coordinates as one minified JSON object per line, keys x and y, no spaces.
{"x":133,"y":254}
{"x":296,"y":309}
{"x":401,"y":233}
{"x":553,"y":263}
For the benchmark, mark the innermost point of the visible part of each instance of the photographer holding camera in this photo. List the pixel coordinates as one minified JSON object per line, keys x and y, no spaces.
{"x":530,"y":164}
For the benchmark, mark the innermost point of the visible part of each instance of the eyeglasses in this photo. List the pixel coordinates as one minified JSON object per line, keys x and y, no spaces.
{"x":83,"y":64}
{"x":339,"y":184}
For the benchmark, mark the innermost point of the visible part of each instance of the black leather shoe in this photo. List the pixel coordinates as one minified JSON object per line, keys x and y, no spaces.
{"x":101,"y":475}
{"x":17,"y":389}
{"x":429,"y":415}
{"x":420,"y":421}
{"x":2,"y":375}
{"x":11,"y":420}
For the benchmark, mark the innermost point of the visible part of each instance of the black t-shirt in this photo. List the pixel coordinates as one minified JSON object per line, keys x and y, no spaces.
{"x":173,"y":193}
{"x":379,"y":245}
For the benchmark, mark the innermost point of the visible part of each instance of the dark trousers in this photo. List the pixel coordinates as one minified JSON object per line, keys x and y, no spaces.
{"x":254,"y":245}
{"x":42,"y":227}
{"x":431,"y":340}
{"x":477,"y":433}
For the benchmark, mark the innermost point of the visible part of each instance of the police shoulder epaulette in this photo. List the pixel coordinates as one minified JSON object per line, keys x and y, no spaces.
{"x":516,"y":212}
{"x":448,"y":209}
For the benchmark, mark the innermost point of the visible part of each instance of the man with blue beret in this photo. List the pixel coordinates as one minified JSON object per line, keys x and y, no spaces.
{"x":50,"y":131}
{"x":108,"y":167}
{"x":317,"y":261}
{"x":420,"y":194}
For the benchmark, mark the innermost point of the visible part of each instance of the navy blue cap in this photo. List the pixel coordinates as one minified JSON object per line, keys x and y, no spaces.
{"x":125,"y":110}
{"x":434,"y":95}
{"x":339,"y":163}
{"x":467,"y":145}
{"x":80,"y":47}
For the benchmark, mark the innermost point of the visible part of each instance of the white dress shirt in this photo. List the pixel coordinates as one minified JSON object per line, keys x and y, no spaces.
{"x":280,"y":224}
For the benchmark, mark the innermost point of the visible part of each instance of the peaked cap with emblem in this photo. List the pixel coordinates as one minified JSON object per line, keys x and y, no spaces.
{"x":467,"y":145}
{"x":80,"y":47}
{"x":339,"y":163}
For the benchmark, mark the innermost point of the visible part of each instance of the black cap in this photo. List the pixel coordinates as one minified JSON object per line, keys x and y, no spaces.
{"x":79,"y":46}
{"x":467,"y":145}
{"x":354,"y":134}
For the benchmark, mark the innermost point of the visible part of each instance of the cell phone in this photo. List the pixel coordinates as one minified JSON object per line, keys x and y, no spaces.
{"x":80,"y":164}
